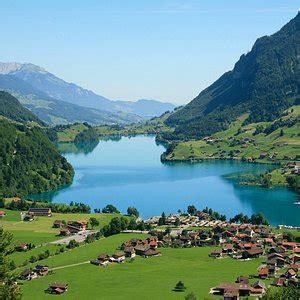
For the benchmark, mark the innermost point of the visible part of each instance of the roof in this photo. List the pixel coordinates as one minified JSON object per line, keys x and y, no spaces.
{"x":259,"y":284}
{"x":254,"y":251}
{"x":118,"y":254}
{"x":58,"y":285}
{"x":264,"y":271}
{"x":39,"y":209}
{"x":2,"y":213}
{"x":234,"y":286}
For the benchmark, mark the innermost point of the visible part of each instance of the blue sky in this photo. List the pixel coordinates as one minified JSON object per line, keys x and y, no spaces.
{"x":158,"y":49}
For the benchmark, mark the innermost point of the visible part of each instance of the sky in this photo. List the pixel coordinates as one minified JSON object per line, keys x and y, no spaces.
{"x":159,"y":49}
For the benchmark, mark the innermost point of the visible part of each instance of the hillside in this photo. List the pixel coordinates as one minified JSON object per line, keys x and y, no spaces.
{"x":11,"y":108}
{"x":56,"y":88}
{"x":53,"y":111}
{"x":29,"y":162}
{"x":263,"y":83}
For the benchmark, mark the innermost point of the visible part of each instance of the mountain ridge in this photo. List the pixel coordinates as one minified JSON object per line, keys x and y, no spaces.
{"x":263,"y":82}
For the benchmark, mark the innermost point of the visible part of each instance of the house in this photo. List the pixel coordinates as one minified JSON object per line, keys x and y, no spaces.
{"x":129,"y":252}
{"x":243,"y":289}
{"x":64,"y":231}
{"x":290,"y":273}
{"x":231,"y":294}
{"x":242,"y":279}
{"x":28,"y":274}
{"x":28,"y":217}
{"x":279,"y":281}
{"x":263,"y":155}
{"x":41,"y":270}
{"x":253,"y":252}
{"x":22,"y":247}
{"x":258,"y":287}
{"x":216,"y":253}
{"x":295,"y":258}
{"x":58,"y":224}
{"x":57,"y":288}
{"x":277,"y":262}
{"x":39,"y":211}
{"x":76,"y":226}
{"x":263,"y":273}
{"x":228,"y":248}
{"x":278,"y":250}
{"x":118,"y":257}
{"x":103,"y":259}
{"x":151,"y":252}
{"x":141,"y":249}
{"x":2,"y":213}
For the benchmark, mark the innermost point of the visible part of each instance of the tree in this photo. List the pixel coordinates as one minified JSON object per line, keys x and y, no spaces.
{"x":110,"y":209}
{"x":179,"y":287}
{"x":162,"y":219}
{"x":132,"y":211}
{"x":192,"y":210}
{"x":190,"y":296}
{"x":281,"y":132}
{"x":94,"y":222}
{"x":8,"y":288}
{"x":168,"y":230}
{"x":284,"y":293}
{"x":73,"y":244}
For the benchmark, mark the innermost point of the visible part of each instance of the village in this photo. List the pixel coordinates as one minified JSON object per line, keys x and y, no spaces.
{"x":280,"y":254}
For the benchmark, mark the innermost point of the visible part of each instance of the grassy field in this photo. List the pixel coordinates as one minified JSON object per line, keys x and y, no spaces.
{"x":40,"y":230}
{"x":282,"y":146}
{"x":152,"y":278}
{"x":69,"y":134}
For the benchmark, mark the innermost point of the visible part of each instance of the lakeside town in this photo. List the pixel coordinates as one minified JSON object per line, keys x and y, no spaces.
{"x":277,"y":249}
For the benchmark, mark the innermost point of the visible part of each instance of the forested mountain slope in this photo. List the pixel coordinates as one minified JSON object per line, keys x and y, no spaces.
{"x":264,"y":82}
{"x":11,"y":108}
{"x":29,"y":162}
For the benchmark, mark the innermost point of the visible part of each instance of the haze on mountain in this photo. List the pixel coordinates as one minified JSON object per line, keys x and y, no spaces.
{"x":53,"y":99}
{"x":263,"y":83}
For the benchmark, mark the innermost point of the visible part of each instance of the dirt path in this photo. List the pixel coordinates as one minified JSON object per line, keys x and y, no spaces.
{"x":68,"y":266}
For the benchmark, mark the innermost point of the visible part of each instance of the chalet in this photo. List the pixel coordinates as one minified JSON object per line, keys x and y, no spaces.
{"x":28,"y":274}
{"x":279,"y":281}
{"x":22,"y":247}
{"x":243,"y":289}
{"x":39,"y":211}
{"x":258,"y":287}
{"x":216,"y":253}
{"x":276,"y":262}
{"x":278,"y":250}
{"x":41,"y":270}
{"x":118,"y":257}
{"x":58,"y":224}
{"x":151,"y":252}
{"x":141,"y":249}
{"x":76,"y":226}
{"x":64,"y":231}
{"x":289,"y":245}
{"x":252,"y":252}
{"x":129,"y":252}
{"x":263,"y":273}
{"x":57,"y":288}
{"x":28,"y":217}
{"x":242,"y":279}
{"x":263,"y":155}
{"x":104,"y":257}
{"x":2,"y":213}
{"x":295,"y":259}
{"x":231,"y":294}
{"x":228,"y":248}
{"x":290,"y":273}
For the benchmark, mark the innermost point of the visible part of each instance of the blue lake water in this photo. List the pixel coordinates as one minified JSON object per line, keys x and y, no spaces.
{"x":127,"y":171}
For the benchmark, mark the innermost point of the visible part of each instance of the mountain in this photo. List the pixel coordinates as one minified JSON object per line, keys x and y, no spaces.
{"x":264,"y":82}
{"x":146,"y":108}
{"x":56,"y":88}
{"x":54,"y":111}
{"x":11,"y":108}
{"x":30,"y":163}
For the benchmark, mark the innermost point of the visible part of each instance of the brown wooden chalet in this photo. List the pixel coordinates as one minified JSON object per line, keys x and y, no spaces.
{"x":41,"y":212}
{"x":57,"y":288}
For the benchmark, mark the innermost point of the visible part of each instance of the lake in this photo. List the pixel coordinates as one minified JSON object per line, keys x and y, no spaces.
{"x":127,"y":171}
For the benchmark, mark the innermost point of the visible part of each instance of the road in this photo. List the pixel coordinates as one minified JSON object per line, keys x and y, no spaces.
{"x":78,"y":237}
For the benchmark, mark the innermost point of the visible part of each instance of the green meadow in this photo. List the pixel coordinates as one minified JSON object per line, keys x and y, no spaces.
{"x":152,"y":278}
